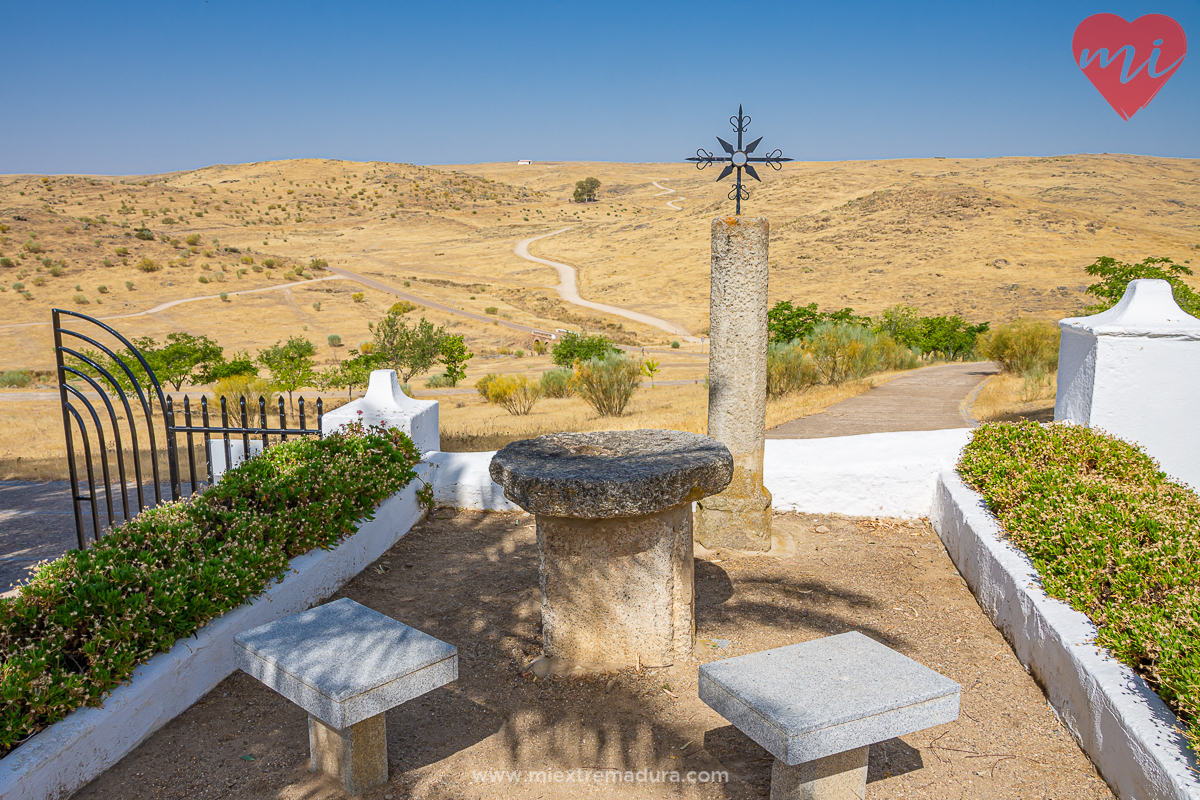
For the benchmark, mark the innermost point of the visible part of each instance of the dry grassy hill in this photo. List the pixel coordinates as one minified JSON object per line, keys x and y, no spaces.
{"x":989,"y":239}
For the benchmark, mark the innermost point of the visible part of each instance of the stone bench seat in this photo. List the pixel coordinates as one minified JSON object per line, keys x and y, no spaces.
{"x":819,"y":706}
{"x":346,"y":664}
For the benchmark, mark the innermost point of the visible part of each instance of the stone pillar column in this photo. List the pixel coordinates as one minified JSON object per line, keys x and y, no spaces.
{"x":740,"y":516}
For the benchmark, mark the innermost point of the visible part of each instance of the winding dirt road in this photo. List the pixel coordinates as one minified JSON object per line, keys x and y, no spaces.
{"x":569,"y":292}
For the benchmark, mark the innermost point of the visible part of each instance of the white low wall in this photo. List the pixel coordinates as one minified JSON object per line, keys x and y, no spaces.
{"x":71,"y":752}
{"x":1127,"y":731}
{"x":874,"y":474}
{"x":461,"y":480}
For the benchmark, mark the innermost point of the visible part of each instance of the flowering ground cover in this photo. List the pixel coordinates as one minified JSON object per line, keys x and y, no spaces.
{"x":88,"y":619}
{"x":1109,"y":534}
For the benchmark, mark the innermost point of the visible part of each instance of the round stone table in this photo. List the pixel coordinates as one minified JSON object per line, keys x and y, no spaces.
{"x":614,"y":533}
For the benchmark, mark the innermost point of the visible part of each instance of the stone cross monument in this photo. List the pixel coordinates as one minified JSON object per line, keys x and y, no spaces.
{"x":740,"y":516}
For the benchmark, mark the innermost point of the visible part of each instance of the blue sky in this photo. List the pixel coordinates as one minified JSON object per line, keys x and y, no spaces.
{"x":130,"y":87}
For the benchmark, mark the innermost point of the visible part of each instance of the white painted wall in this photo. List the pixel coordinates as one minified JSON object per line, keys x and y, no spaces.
{"x":237,"y":454}
{"x":462,"y":480}
{"x":385,"y":404}
{"x":1124,"y":727}
{"x":1134,"y":372}
{"x":873,"y":474}
{"x":71,"y":752}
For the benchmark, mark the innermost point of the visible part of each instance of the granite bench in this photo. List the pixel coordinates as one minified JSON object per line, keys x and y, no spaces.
{"x":819,"y":706}
{"x":346,"y":665}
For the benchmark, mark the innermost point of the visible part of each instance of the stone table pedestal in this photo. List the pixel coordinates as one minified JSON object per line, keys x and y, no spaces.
{"x":614,"y":531}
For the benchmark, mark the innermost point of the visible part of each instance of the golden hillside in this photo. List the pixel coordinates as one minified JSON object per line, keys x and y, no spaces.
{"x":990,"y":239}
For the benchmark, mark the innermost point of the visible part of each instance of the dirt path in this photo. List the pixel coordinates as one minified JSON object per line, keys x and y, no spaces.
{"x":569,"y":292}
{"x":670,"y":203}
{"x":928,"y":399}
{"x":471,"y":579}
{"x":173,"y":303}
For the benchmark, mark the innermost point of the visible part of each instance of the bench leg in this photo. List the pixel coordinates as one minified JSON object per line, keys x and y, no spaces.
{"x":842,"y":776}
{"x":356,"y":756}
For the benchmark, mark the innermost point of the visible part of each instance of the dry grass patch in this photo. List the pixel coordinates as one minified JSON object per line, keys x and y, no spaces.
{"x":1012,"y":398}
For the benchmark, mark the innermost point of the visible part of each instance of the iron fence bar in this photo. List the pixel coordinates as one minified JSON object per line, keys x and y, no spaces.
{"x":103,"y":460}
{"x":282,"y":421}
{"x":72,"y":470}
{"x":147,"y":406}
{"x":112,"y":415}
{"x":187,"y":418}
{"x":207,"y":440}
{"x":245,"y":426}
{"x":301,"y":414}
{"x":172,"y":449}
{"x":320,"y":414}
{"x":252,"y":430}
{"x":225,"y":427}
{"x":262,"y":418}
{"x":91,"y":496}
{"x":137,"y":458}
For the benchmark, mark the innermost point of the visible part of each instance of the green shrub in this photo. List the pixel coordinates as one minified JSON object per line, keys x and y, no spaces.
{"x":89,"y":618}
{"x":122,"y":251}
{"x":318,"y":264}
{"x":102,"y":289}
{"x":675,"y":345}
{"x":439,"y":381}
{"x":789,"y":368}
{"x":148,"y":264}
{"x":15,"y":378}
{"x":1022,"y":346}
{"x":317,"y":306}
{"x":18,"y":286}
{"x":269,"y":263}
{"x":576,"y":347}
{"x":203,"y":279}
{"x":357,"y":297}
{"x":483,"y":383}
{"x":193,"y":240}
{"x":80,"y":300}
{"x":56,"y":270}
{"x":144,"y":234}
{"x":491,"y":310}
{"x":129,"y":285}
{"x":608,"y":383}
{"x":556,"y":382}
{"x":515,"y":393}
{"x":1108,"y":534}
{"x":402,"y":307}
{"x":7,"y":263}
{"x":224,"y":297}
{"x":844,"y":351}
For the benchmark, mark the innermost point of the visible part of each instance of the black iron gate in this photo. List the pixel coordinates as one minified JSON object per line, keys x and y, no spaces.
{"x":116,"y":371}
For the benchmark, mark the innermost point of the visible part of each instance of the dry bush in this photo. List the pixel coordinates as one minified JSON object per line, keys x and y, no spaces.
{"x":789,"y":368}
{"x":607,"y":384}
{"x":251,"y":387}
{"x":557,"y":382}
{"x":516,"y":394}
{"x":1022,"y":346}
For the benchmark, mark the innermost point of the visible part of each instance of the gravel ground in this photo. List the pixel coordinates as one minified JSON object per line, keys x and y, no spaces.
{"x":470,"y":578}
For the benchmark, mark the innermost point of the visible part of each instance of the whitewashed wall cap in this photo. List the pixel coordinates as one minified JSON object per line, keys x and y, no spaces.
{"x":1147,"y":308}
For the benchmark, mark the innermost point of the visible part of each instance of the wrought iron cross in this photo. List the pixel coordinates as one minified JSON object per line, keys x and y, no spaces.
{"x":739,"y":159}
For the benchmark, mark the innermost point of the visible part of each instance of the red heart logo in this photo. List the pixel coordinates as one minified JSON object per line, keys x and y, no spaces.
{"x":1128,"y":62}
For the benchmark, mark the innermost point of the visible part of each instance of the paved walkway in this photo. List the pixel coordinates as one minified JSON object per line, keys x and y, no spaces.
{"x":927,"y":399}
{"x":36,"y":523}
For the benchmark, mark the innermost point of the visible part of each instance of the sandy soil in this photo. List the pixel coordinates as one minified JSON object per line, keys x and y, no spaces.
{"x":471,"y":579}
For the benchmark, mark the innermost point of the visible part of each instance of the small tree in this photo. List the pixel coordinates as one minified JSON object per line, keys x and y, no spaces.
{"x":290,"y":364}
{"x":354,"y":371}
{"x":1116,"y":275}
{"x":607,"y":383}
{"x":577,"y":347}
{"x":408,"y":350}
{"x":650,"y":369}
{"x":585,"y":190}
{"x":454,"y":356}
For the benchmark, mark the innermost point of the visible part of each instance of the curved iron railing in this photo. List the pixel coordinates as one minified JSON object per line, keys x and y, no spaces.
{"x":85,"y":414}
